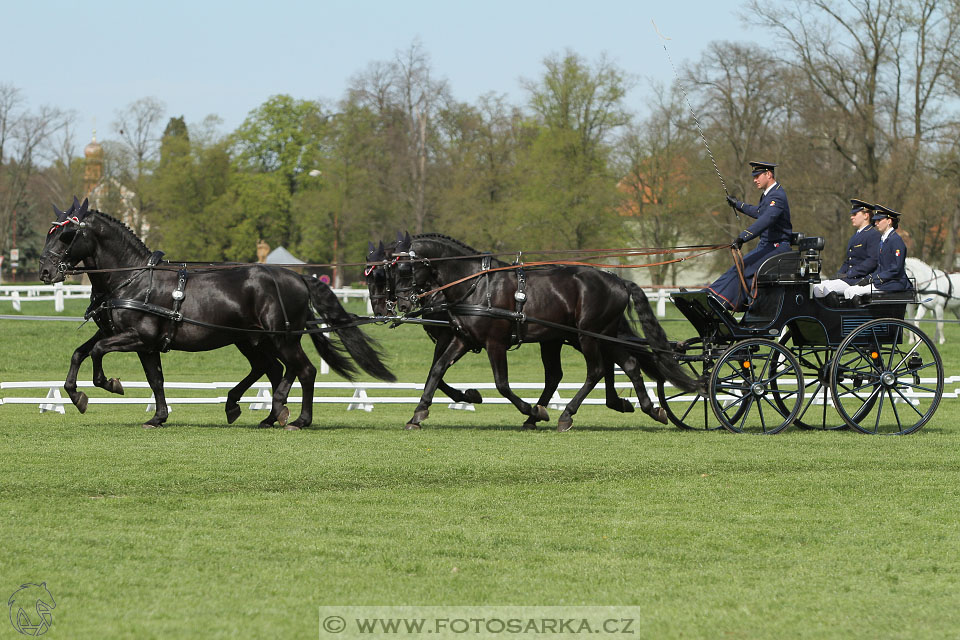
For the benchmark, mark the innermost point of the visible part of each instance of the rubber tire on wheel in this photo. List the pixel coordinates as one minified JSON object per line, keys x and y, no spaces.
{"x":735,"y":374}
{"x":876,"y":355}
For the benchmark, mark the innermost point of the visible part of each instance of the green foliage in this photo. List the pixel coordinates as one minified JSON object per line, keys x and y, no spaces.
{"x":255,"y":206}
{"x":280,"y":136}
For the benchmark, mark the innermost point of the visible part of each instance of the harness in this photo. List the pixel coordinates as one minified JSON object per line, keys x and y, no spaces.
{"x":936,"y":278}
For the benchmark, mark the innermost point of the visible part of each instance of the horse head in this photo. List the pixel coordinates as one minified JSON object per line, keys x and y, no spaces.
{"x":67,"y":242}
{"x":377,"y":275}
{"x":412,"y":274}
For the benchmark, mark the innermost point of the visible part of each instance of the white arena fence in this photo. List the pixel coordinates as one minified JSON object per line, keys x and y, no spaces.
{"x":17,"y":295}
{"x":355,"y":395}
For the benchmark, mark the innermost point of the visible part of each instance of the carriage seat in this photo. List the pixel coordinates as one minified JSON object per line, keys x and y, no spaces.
{"x":888,"y":297}
{"x":783,"y":267}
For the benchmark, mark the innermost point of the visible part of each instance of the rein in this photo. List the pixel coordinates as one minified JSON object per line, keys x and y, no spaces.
{"x":575,"y":263}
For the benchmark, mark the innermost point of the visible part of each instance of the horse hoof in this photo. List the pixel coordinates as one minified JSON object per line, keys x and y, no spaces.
{"x":265,"y":425}
{"x":529,"y":425}
{"x":291,"y":427}
{"x":233,"y":412}
{"x":114,"y":386}
{"x":81,"y":402}
{"x":627,"y":406}
{"x":420,"y":416}
{"x":472,"y":396}
{"x":660,"y":415}
{"x":540,"y":414}
{"x":564,"y":424}
{"x":147,"y":425}
{"x":282,"y":416}
{"x":412,"y":426}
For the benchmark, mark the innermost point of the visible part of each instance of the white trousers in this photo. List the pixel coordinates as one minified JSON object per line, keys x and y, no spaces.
{"x":856,"y":290}
{"x":821,"y":290}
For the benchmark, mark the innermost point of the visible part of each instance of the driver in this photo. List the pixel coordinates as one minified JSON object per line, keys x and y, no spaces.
{"x":891,"y":273}
{"x":772,"y":227}
{"x":861,"y":252}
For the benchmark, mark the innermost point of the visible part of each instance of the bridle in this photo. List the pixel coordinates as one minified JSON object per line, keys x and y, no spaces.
{"x":61,"y":256}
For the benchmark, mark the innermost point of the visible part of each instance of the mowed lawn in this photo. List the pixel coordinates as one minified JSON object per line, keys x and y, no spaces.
{"x":207,"y":530}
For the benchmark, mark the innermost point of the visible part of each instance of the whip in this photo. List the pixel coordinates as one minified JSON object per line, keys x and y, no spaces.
{"x":693,"y":113}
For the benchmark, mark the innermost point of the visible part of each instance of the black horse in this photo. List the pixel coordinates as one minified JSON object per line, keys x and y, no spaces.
{"x":382,"y":301}
{"x":381,"y":273}
{"x":493,"y":309}
{"x":149,"y":308}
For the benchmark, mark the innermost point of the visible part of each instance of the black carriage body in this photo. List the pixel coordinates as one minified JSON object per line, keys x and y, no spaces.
{"x":784,"y":301}
{"x":790,"y":349}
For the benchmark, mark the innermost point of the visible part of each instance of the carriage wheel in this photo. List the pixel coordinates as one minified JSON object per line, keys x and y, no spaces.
{"x":688,"y":409}
{"x":815,"y":362}
{"x":883,"y":385}
{"x":742,"y":391}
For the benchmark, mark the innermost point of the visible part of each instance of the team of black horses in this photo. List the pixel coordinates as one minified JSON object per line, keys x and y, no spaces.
{"x":144,"y":304}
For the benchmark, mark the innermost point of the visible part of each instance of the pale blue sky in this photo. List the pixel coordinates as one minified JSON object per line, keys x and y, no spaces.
{"x":225,"y":58}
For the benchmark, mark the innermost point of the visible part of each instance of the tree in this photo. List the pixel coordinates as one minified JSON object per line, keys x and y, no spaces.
{"x":407,"y":98}
{"x":135,"y":155}
{"x":27,"y":139}
{"x":567,"y":195}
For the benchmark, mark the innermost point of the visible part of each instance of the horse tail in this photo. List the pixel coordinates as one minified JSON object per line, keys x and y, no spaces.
{"x":659,"y":345}
{"x":363,"y":349}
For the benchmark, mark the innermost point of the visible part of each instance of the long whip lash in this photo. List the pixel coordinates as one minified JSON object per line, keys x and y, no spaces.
{"x":692,"y":112}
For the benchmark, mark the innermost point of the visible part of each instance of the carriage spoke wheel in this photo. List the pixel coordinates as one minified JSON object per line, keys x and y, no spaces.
{"x":742,"y":387}
{"x":816,"y":412}
{"x":688,"y":409}
{"x":883,"y":384}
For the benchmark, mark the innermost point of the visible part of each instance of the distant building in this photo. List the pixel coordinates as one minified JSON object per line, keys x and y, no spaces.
{"x":108,"y":194}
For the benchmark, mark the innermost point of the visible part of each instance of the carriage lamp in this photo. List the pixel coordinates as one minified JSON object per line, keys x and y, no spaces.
{"x":746,"y":364}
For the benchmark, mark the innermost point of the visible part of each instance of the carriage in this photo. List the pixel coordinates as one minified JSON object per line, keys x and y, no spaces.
{"x":793,"y":359}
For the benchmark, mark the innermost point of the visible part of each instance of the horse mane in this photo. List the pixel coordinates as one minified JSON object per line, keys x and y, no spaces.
{"x":444,"y":239}
{"x":125,"y":232}
{"x":447,"y":240}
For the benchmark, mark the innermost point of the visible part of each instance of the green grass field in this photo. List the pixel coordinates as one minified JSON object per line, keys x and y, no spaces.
{"x":208,"y":530}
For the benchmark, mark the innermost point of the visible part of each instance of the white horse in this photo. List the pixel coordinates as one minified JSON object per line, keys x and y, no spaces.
{"x":937,"y":289}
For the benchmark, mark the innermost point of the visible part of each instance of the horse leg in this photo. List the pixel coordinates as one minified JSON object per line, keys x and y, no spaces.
{"x":552,"y":375}
{"x":470,"y":395}
{"x":939,"y":311}
{"x":260,"y":362}
{"x":450,"y":354}
{"x":127,"y":341}
{"x":298,"y":363}
{"x":630,"y":363}
{"x":153,"y":369}
{"x":595,"y":365}
{"x":79,"y":399}
{"x":614,"y":401}
{"x":497,"y":354}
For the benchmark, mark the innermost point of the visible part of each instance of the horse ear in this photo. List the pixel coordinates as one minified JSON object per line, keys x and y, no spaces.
{"x":57,"y":213}
{"x":407,"y":239}
{"x":76,"y":204}
{"x":381,"y":248}
{"x":83,"y":208}
{"x":370,"y":247}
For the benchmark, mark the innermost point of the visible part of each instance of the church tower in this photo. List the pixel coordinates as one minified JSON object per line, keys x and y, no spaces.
{"x":93,"y":165}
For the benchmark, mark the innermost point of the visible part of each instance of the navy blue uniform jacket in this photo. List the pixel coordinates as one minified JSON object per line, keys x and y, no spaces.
{"x":774,"y":230}
{"x":862,"y":254}
{"x":891,"y":272}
